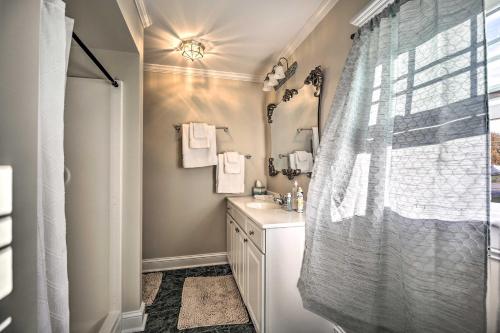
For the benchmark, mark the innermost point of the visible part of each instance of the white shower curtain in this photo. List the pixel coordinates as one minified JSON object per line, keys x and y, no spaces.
{"x":52,"y":275}
{"x":396,"y":231}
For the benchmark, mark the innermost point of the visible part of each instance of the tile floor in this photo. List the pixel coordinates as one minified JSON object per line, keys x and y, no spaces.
{"x":163,"y":313}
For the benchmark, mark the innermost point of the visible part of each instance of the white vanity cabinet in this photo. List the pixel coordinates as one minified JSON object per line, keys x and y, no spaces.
{"x":265,"y":249}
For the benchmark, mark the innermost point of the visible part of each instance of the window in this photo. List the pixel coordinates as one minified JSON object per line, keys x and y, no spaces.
{"x":493,"y":70}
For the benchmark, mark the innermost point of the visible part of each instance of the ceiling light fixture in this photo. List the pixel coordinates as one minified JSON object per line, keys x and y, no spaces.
{"x":192,"y":50}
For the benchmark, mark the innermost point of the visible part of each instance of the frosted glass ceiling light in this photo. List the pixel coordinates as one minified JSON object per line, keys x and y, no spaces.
{"x":192,"y":50}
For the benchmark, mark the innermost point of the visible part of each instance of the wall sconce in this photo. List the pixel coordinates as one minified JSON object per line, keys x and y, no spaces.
{"x":192,"y":50}
{"x":279,"y":75}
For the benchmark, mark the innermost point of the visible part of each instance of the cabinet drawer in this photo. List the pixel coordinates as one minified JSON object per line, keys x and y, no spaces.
{"x":256,"y":235}
{"x":236,"y":215}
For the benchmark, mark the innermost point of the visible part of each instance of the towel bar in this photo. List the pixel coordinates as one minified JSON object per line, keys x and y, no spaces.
{"x":247,"y":156}
{"x":286,"y":155}
{"x":224,"y":128}
{"x":303,"y":129}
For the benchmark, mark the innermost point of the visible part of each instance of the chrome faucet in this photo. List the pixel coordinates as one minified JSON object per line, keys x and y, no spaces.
{"x":280,"y":199}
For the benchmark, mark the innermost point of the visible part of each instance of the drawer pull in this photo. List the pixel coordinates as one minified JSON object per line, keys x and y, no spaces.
{"x":251,"y":233}
{"x":230,"y":222}
{"x":237,"y":230}
{"x":245,"y":240}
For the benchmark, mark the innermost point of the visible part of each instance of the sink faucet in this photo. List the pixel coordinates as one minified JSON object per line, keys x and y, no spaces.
{"x":280,"y":199}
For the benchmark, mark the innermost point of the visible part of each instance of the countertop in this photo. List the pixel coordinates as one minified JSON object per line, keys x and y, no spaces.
{"x":268,"y":218}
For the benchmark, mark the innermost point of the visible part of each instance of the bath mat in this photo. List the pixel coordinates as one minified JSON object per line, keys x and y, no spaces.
{"x":150,"y":286}
{"x":211,"y":301}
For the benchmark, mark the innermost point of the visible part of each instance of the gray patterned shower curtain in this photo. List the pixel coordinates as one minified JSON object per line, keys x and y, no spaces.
{"x":396,"y":231}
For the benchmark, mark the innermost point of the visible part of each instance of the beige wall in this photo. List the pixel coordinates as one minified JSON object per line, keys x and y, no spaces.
{"x":132,"y":233}
{"x":128,"y":68}
{"x":328,"y":46}
{"x":19,"y":34}
{"x":182,"y":214}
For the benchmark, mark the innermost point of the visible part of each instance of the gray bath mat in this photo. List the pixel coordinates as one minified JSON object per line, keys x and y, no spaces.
{"x":150,"y":286}
{"x":211,"y":301}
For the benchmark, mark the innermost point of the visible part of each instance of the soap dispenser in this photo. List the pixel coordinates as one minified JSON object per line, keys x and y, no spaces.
{"x":300,"y":200}
{"x":295,"y":189}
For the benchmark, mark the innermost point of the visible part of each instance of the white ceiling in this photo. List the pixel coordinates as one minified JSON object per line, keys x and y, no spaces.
{"x":240,"y":36}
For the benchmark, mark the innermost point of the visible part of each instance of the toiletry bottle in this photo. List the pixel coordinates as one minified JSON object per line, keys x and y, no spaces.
{"x":288,"y":202}
{"x":294,"y":195}
{"x":300,"y":201}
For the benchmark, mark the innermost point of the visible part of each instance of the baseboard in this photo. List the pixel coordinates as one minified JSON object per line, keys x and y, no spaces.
{"x":134,"y":321}
{"x":112,"y":323}
{"x":170,"y":263}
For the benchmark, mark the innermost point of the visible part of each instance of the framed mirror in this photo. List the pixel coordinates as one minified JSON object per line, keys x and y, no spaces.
{"x":294,"y":123}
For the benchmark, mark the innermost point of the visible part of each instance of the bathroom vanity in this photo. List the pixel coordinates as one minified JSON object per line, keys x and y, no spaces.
{"x":265,"y":245}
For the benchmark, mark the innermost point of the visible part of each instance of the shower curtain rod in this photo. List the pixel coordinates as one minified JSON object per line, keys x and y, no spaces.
{"x":94,"y":59}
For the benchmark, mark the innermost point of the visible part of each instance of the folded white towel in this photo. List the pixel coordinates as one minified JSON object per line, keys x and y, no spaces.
{"x":198,"y":136}
{"x":301,"y":155}
{"x":230,"y":182}
{"x":199,"y":130}
{"x":232,"y":162}
{"x":291,"y":160}
{"x":315,"y":141}
{"x":304,"y":161}
{"x":196,"y":158}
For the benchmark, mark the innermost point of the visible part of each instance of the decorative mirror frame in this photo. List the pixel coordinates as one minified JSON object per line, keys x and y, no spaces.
{"x":315,"y":78}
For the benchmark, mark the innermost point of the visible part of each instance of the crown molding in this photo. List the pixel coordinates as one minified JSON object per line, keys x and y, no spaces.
{"x":370,"y":10}
{"x":143,"y":13}
{"x":311,"y":23}
{"x":188,"y":71}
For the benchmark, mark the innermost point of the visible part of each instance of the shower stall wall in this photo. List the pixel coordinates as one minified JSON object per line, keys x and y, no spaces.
{"x":94,"y":202}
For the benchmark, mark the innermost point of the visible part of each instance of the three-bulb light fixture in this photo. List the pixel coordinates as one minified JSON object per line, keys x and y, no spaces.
{"x":192,"y":49}
{"x":277,"y":73}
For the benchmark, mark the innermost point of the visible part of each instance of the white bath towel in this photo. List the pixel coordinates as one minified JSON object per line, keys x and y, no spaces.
{"x":315,"y":141}
{"x":291,"y":161}
{"x":230,"y":182}
{"x":304,"y":161}
{"x":199,"y":136}
{"x":196,"y":158}
{"x":232,"y":162}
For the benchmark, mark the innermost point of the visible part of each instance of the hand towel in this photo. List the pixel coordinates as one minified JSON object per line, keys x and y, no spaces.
{"x":301,"y":155}
{"x":232,"y":162}
{"x":315,"y":141}
{"x":198,"y":136}
{"x":304,"y":161}
{"x":291,"y":160}
{"x":230,"y":182}
{"x":196,"y":158}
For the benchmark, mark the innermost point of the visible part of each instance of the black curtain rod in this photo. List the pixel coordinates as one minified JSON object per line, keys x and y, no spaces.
{"x":94,"y":59}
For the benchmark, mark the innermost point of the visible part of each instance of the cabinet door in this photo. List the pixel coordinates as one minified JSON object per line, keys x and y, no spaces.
{"x":229,"y":238}
{"x":240,"y":260}
{"x":234,"y":250}
{"x":254,"y":271}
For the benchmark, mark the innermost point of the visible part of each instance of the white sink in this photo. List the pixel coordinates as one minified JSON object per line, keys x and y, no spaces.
{"x":262,"y":205}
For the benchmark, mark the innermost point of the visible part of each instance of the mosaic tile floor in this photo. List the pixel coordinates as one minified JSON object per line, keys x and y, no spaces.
{"x":164,"y":312}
